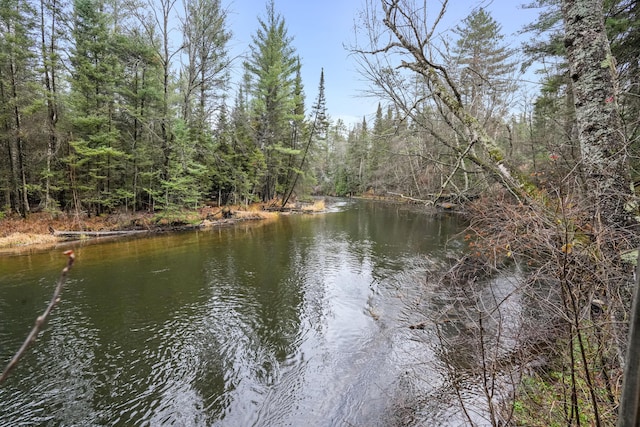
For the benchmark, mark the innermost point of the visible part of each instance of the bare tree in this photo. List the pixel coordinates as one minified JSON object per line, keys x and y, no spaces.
{"x":401,"y":56}
{"x":567,"y":238}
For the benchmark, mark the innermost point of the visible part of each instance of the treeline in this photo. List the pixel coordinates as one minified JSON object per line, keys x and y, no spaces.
{"x":107,"y":105}
{"x":104,"y":106}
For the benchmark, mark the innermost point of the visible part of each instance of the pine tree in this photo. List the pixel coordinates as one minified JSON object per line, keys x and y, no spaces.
{"x":50,"y":34}
{"x":318,"y":131}
{"x":273,"y":65}
{"x":357,"y":171}
{"x":319,"y":111}
{"x":205,"y":73}
{"x":95,"y":150}
{"x":140,"y":92}
{"x":484,"y":78}
{"x":379,"y":150}
{"x":247,"y":163}
{"x":158,"y":30}
{"x":16,"y":94}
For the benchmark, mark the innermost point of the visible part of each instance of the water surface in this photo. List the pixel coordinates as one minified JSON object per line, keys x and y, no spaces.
{"x":300,"y":321}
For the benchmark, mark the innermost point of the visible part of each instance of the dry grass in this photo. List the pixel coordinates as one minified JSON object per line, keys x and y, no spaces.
{"x":36,"y":229}
{"x":23,"y":239}
{"x":254,"y":214}
{"x":317,"y":206}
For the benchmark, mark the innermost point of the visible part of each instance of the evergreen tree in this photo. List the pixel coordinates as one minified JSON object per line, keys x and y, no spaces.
{"x":379,"y":151}
{"x":318,"y":131}
{"x":356,"y":171}
{"x":205,"y":74}
{"x":320,"y":124}
{"x":16,"y":93}
{"x":158,"y":30}
{"x":273,"y":65}
{"x":95,"y":150}
{"x":50,"y":34}
{"x":485,"y":76}
{"x":246,"y":165}
{"x":319,"y":111}
{"x":140,"y":94}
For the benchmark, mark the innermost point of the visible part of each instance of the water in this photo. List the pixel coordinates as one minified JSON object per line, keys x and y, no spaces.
{"x":299,"y":321}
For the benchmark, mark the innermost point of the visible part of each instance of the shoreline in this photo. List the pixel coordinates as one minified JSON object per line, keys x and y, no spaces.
{"x":43,"y":231}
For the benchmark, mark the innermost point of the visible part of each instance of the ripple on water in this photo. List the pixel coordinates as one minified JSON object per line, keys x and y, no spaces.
{"x":263,"y":327}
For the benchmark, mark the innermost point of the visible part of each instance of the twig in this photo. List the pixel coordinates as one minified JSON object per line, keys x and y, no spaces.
{"x":42,"y":319}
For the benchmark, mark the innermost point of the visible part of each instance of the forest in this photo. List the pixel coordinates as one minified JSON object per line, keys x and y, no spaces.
{"x":100,"y":113}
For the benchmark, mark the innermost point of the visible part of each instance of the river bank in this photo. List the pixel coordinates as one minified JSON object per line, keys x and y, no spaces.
{"x":46,"y":229}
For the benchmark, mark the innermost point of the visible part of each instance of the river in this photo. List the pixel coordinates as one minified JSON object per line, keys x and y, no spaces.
{"x":302,"y":321}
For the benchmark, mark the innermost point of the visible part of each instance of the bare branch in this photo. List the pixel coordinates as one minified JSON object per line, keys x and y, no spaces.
{"x":40,"y":320}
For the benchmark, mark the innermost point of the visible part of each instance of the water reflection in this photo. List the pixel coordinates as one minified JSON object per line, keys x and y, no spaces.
{"x":300,"y":321}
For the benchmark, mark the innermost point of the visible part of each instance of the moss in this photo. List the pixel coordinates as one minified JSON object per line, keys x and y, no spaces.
{"x":495,"y":153}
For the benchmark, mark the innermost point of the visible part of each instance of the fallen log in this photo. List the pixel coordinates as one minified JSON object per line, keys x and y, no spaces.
{"x":58,"y":233}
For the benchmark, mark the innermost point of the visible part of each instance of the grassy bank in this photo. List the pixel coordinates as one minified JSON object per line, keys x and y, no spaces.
{"x":42,"y":228}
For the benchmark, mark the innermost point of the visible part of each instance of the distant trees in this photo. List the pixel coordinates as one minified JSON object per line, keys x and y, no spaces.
{"x":137,"y":111}
{"x":454,"y":113}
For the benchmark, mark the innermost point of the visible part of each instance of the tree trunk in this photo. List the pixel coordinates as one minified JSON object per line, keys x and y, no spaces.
{"x":600,"y":131}
{"x":601,"y":139}
{"x":19,"y":173}
{"x":48,"y":52}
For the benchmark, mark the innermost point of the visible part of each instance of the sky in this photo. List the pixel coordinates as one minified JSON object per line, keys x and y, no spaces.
{"x":321,"y":29}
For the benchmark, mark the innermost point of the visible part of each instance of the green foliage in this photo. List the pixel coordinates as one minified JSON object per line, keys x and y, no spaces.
{"x":551,"y":391}
{"x":277,"y":98}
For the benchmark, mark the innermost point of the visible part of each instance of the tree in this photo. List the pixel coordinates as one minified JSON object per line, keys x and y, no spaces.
{"x":205,"y":73}
{"x":273,"y":65}
{"x":298,"y":129}
{"x":50,"y":15}
{"x":140,"y":94}
{"x":486,"y":68}
{"x":592,"y":70}
{"x":404,"y":65}
{"x":356,"y":168}
{"x":16,"y":63}
{"x":319,"y":128}
{"x":600,"y":130}
{"x":96,"y":150}
{"x":158,"y":30}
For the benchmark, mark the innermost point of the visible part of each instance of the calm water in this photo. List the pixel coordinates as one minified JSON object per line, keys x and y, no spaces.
{"x":300,"y":321}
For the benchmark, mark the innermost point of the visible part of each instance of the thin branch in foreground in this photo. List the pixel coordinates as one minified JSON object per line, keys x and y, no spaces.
{"x":42,"y":319}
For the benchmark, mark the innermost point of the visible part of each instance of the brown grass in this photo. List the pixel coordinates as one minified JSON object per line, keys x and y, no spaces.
{"x":36,"y":229}
{"x":23,"y":239}
{"x":317,"y":206}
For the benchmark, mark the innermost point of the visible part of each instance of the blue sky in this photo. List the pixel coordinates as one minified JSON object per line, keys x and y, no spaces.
{"x":321,"y":28}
